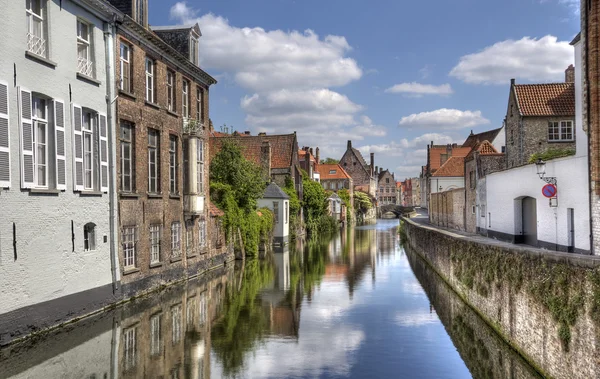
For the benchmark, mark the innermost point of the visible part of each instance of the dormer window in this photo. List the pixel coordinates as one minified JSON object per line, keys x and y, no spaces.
{"x":140,"y":11}
{"x":194,"y":49}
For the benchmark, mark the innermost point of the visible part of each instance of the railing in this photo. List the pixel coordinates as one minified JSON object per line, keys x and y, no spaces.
{"x":192,"y":126}
{"x":85,"y":66}
{"x":36,"y":45}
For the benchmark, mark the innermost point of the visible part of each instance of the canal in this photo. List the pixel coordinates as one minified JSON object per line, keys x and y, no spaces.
{"x":353,"y":305}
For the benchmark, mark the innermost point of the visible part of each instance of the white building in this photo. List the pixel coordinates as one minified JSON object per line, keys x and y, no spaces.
{"x":278,"y":202}
{"x":516,"y":208}
{"x":449,"y":176}
{"x":56,"y":231}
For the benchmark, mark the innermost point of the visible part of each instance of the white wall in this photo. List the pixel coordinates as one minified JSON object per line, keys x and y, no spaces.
{"x":282,"y":228}
{"x":447,"y":183}
{"x":504,"y":187}
{"x":581,"y":139}
{"x":500,"y":141}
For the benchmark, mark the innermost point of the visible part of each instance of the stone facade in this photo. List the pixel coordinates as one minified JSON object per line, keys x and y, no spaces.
{"x":386,"y":189}
{"x":477,"y":166}
{"x":447,"y":209}
{"x":363,"y":175}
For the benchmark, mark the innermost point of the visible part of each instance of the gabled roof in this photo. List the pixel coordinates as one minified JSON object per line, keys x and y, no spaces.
{"x":454,"y":166}
{"x":552,"y":99}
{"x":382,"y":174}
{"x":435,"y":153}
{"x":483,"y":148}
{"x":274,"y":192}
{"x":473,"y":139}
{"x":214,"y":211}
{"x":282,"y":147}
{"x":359,"y":156}
{"x":325,"y":170}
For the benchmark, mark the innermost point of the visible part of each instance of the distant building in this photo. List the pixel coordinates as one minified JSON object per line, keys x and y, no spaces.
{"x":437,"y":155}
{"x":277,"y":201}
{"x":309,"y":162}
{"x":416,"y":191}
{"x":363,"y":175}
{"x":496,"y":137}
{"x":399,"y":193}
{"x":386,"y":193}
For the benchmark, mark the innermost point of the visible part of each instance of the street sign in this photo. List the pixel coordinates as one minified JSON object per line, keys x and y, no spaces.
{"x":549,"y":190}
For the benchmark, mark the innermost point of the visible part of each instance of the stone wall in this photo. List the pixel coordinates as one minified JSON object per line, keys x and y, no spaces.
{"x":447,"y":209}
{"x":546,"y":305}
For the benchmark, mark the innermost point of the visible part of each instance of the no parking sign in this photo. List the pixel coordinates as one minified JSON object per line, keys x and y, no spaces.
{"x":549,"y":191}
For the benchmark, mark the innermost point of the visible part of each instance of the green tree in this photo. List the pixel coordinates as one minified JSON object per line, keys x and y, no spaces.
{"x":315,"y":207}
{"x":329,"y":161}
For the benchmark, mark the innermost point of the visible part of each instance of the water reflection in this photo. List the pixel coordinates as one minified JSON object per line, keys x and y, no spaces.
{"x":344,"y":305}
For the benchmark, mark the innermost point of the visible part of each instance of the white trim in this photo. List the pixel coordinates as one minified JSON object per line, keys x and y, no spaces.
{"x":103,"y":152}
{"x":6,"y":149}
{"x":59,"y":127}
{"x":77,"y":123}
{"x":26,"y":151}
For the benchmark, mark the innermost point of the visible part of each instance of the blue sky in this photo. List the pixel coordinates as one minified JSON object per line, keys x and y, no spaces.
{"x":390,"y":75}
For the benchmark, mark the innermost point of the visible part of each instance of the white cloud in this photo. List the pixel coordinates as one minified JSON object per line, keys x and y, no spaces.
{"x":368,"y":128}
{"x":416,"y":319}
{"x":529,"y":59}
{"x":263,"y":60}
{"x":418,"y":90}
{"x":425,"y":139}
{"x":444,"y":119}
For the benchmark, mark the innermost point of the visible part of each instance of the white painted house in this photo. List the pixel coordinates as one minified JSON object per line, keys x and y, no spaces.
{"x":516,"y":208}
{"x":278,"y":201}
{"x":56,"y":230}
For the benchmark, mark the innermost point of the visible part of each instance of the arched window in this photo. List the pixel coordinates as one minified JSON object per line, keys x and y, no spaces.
{"x":89,"y":237}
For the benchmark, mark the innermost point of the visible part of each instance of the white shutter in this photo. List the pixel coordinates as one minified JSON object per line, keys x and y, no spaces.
{"x":4,"y":137}
{"x":77,"y":148}
{"x":59,"y":145}
{"x":26,"y":137}
{"x":103,"y":153}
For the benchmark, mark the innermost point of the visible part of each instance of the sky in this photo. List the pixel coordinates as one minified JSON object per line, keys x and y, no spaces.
{"x":390,"y":75}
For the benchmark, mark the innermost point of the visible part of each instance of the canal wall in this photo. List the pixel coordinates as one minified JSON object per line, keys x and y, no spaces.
{"x":545,"y":304}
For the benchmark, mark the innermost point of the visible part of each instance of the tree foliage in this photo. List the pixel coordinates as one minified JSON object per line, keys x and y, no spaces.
{"x":329,"y":161}
{"x":316,"y":207}
{"x":362,"y":201}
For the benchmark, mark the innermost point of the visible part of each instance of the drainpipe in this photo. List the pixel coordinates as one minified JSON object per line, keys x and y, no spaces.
{"x":588,"y":116}
{"x":109,"y":32}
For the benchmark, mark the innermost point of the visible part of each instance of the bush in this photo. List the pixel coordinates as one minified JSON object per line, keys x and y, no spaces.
{"x":551,"y":153}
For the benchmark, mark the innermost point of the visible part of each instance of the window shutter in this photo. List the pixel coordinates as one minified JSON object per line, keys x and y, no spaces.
{"x":77,"y":148}
{"x":26,"y":129}
{"x":103,"y":153}
{"x":4,"y":137}
{"x":59,"y":144}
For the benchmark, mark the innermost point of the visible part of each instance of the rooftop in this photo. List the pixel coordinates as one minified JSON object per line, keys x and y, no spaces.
{"x":552,"y":99}
{"x":282,"y":147}
{"x":332,"y":171}
{"x":274,"y":192}
{"x":473,"y":139}
{"x":454,"y":166}
{"x":436,"y":152}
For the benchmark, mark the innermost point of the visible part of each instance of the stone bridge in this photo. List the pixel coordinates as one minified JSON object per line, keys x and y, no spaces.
{"x":397,"y":210}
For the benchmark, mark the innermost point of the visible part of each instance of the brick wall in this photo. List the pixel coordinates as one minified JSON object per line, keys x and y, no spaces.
{"x":447,"y":208}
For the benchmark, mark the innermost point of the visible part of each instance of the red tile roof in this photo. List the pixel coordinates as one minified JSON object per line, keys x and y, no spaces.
{"x":282,"y":148}
{"x":473,"y":139}
{"x":435,"y":153}
{"x":553,"y":99}
{"x":214,"y":211}
{"x":454,"y":166}
{"x":486,"y":148}
{"x":325,"y":169}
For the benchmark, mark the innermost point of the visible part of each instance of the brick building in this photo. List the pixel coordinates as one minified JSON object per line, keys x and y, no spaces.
{"x":539,"y":117}
{"x":308,"y":162}
{"x":363,"y":175}
{"x":437,"y":155}
{"x":386,"y":188}
{"x":162,"y":129}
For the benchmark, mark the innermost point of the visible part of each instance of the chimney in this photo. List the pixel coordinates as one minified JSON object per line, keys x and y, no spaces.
{"x":376,"y":169}
{"x":454,"y":145}
{"x":311,"y":151}
{"x":265,"y":159}
{"x":449,"y":150}
{"x":380,"y":170}
{"x":262,"y":134}
{"x":372,"y":162}
{"x":317,"y":157}
{"x":570,"y":74}
{"x":349,"y":145}
{"x":247,"y":132}
{"x":512,"y":82}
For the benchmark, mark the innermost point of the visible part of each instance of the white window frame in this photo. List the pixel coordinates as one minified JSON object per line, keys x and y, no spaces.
{"x":185,"y":99}
{"x":200,"y":165}
{"x":155,"y":334}
{"x":189,"y":238}
{"x":150,"y":89}
{"x":88,"y":128}
{"x":176,"y":319}
{"x":40,"y":121}
{"x":559,"y":128}
{"x":129,"y":246}
{"x":193,"y":49}
{"x":176,"y":239}
{"x":155,"y":232}
{"x":171,"y":90}
{"x":202,"y":234}
{"x":199,"y":107}
{"x":85,"y":61}
{"x":125,"y":66}
{"x":36,"y":39}
{"x":153,"y":161}
{"x":276,"y":211}
{"x":130,"y":348}
{"x":127,"y":145}
{"x":173,"y":183}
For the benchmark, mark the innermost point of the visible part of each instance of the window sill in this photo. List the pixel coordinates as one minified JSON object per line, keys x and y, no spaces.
{"x":152,"y":105}
{"x":172,"y":113}
{"x":563,"y":141}
{"x":40,"y":59}
{"x":132,"y":195}
{"x":154,"y":195}
{"x":191,"y":256}
{"x":88,"y":79}
{"x":173,"y":196}
{"x":175,"y":259}
{"x":91,"y":193}
{"x":127,"y":95}
{"x":129,"y":271}
{"x":155,"y":265}
{"x":45,"y":191}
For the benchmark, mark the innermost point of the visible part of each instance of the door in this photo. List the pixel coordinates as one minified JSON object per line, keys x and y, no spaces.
{"x":529,"y":221}
{"x":571,"y":229}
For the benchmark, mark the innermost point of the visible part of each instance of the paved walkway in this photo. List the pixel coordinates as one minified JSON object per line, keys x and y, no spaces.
{"x":422,"y":218}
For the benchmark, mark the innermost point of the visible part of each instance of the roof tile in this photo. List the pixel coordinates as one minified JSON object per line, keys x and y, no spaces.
{"x":282,"y":147}
{"x":325,"y":170}
{"x":454,"y":166}
{"x":552,"y":99}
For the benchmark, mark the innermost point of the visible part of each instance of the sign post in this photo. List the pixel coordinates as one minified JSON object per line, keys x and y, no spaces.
{"x":549,"y":191}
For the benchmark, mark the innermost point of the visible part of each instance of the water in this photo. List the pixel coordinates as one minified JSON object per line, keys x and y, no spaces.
{"x":352,"y":305}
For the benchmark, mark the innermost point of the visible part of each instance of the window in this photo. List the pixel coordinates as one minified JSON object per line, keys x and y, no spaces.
{"x":176,"y":317}
{"x":36,"y":36}
{"x":40,"y":141}
{"x":202,"y":309}
{"x":125,"y":66}
{"x":473,"y":209}
{"x":140,"y":12}
{"x":155,"y":340}
{"x":85,"y":63}
{"x":276,"y":211}
{"x":129,"y":239}
{"x":190,"y":307}
{"x":173,"y":184}
{"x":286,"y":211}
{"x":340,"y":185}
{"x":150,"y":80}
{"x":130,"y":348}
{"x":560,"y":131}
{"x":171,"y":90}
{"x":202,"y":233}
{"x":472,"y":179}
{"x":443,"y":158}
{"x":189,"y":237}
{"x":199,"y":113}
{"x":154,"y":244}
{"x":200,"y":162}
{"x":175,"y":239}
{"x":387,"y":180}
{"x":503,"y":149}
{"x":127,"y":161}
{"x":89,"y":121}
{"x":153,"y":162}
{"x":194,"y":50}
{"x":185,"y":100}
{"x":89,"y":237}
{"x":332,"y":172}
